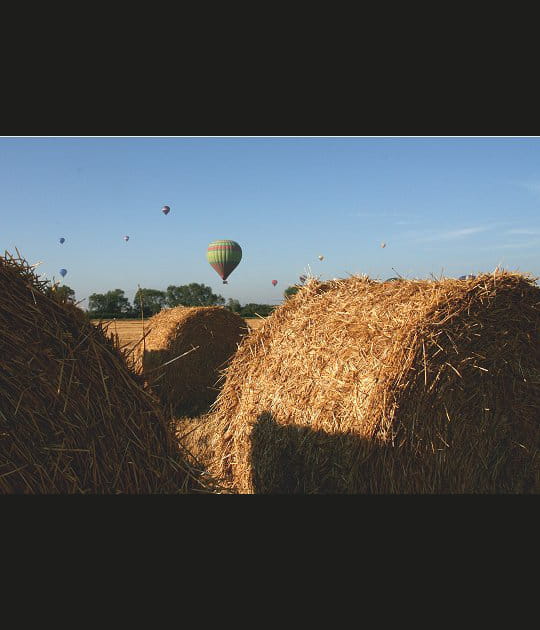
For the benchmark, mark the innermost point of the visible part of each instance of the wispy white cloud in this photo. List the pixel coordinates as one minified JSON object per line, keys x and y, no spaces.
{"x":522,"y":245}
{"x":529,"y":231}
{"x":526,"y":244}
{"x":429,"y":236}
{"x":383,"y":214}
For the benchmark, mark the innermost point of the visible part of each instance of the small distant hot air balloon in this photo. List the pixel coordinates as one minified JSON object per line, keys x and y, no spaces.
{"x":62,"y":272}
{"x":165,"y":210}
{"x":62,"y":240}
{"x":274,"y":282}
{"x":224,"y":256}
{"x":303,"y":279}
{"x":321,"y":257}
{"x":126,"y":238}
{"x":383,"y":245}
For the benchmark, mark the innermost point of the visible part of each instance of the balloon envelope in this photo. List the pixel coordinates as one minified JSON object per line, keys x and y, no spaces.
{"x":321,"y":257}
{"x":62,"y":240}
{"x":274,"y":282}
{"x":224,"y":256}
{"x":62,"y":272}
{"x":303,"y":278}
{"x":165,"y":209}
{"x":383,"y":245}
{"x":126,"y":238}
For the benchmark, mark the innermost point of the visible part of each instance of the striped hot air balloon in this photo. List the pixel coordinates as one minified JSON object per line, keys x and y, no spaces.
{"x":224,"y":256}
{"x":165,"y":210}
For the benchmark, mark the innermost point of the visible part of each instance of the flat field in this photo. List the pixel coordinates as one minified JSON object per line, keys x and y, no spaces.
{"x":130,"y":331}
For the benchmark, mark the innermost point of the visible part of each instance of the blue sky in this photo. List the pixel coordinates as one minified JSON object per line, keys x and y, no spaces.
{"x":447,"y":206}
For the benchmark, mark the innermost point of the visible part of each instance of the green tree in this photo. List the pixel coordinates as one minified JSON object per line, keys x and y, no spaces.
{"x":110,"y":304}
{"x":61,"y":293}
{"x":290,"y":291}
{"x":193,"y":294}
{"x":152,"y":301}
{"x":234,"y":305}
{"x":252,"y":310}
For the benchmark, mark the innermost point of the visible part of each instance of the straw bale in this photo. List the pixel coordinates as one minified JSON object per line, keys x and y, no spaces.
{"x":359,"y":386}
{"x":72,"y":417}
{"x":184,"y":351}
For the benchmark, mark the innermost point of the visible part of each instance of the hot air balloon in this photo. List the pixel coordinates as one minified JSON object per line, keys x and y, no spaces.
{"x":303,"y":279}
{"x":62,"y":240}
{"x":126,"y":238}
{"x":224,"y":256}
{"x":165,"y":210}
{"x":321,"y":257}
{"x":383,"y":245}
{"x":62,"y":272}
{"x":274,"y":282}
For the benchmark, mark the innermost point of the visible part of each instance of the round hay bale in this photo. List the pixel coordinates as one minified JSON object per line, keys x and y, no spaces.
{"x":72,"y":417}
{"x":185,"y":350}
{"x":359,"y":386}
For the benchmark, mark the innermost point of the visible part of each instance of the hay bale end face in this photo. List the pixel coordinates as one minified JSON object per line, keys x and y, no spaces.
{"x":72,"y":417}
{"x":358,"y":386}
{"x":184,"y":352}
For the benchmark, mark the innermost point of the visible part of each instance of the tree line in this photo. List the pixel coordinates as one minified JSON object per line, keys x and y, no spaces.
{"x":147,"y":302}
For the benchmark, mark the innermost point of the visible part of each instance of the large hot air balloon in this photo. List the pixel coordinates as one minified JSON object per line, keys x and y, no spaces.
{"x":126,"y":238}
{"x":62,"y":272}
{"x":321,"y":257}
{"x":274,"y":282}
{"x":165,"y":210}
{"x":224,"y":257}
{"x":62,"y":240}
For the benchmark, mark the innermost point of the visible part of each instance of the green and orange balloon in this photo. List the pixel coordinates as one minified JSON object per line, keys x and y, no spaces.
{"x":224,"y":257}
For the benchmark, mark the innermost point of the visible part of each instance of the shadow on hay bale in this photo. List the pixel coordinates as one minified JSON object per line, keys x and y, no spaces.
{"x":333,"y":460}
{"x":72,"y":417}
{"x":185,"y":350}
{"x":357,"y":386}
